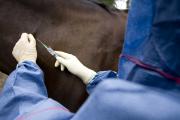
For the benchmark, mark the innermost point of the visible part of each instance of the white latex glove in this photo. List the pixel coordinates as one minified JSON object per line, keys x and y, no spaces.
{"x":25,"y":49}
{"x":74,"y":66}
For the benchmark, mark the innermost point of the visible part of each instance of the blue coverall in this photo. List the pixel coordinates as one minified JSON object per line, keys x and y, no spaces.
{"x":24,"y":97}
{"x":148,"y":84}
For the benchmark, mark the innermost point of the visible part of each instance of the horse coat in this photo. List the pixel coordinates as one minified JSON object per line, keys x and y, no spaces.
{"x":81,"y":27}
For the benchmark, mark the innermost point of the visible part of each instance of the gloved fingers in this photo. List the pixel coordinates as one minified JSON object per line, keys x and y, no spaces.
{"x":61,"y":61}
{"x":64,"y":55}
{"x":20,"y":42}
{"x":56,"y":63}
{"x":24,"y":38}
{"x":32,"y":40}
{"x":23,"y":50}
{"x":62,"y":67}
{"x":21,"y":39}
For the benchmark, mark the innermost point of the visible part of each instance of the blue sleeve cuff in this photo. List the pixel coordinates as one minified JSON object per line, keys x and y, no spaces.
{"x":27,"y":77}
{"x":31,"y":63}
{"x":100,"y":76}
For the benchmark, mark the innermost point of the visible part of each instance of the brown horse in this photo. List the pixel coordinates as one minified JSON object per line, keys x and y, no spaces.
{"x":89,"y":30}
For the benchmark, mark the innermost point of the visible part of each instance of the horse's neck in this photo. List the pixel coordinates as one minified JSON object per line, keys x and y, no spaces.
{"x":61,"y":7}
{"x":92,"y":17}
{"x":76,"y":26}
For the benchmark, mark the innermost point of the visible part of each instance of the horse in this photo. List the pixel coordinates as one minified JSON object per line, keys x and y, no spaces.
{"x":87,"y":29}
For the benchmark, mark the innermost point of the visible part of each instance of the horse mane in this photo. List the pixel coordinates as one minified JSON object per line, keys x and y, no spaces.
{"x":106,"y":7}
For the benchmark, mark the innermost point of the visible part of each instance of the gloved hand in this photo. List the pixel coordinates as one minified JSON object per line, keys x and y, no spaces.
{"x":25,"y":49}
{"x":74,"y":66}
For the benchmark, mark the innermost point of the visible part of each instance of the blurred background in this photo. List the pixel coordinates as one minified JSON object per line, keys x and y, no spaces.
{"x":120,"y":4}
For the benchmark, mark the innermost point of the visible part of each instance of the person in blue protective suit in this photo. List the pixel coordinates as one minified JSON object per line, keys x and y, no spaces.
{"x":146,"y":87}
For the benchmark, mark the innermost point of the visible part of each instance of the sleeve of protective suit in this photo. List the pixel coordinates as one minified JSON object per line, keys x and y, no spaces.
{"x":24,"y":96}
{"x":99,"y":77}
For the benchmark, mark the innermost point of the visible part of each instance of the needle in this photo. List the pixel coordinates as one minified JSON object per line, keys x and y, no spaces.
{"x":52,"y":52}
